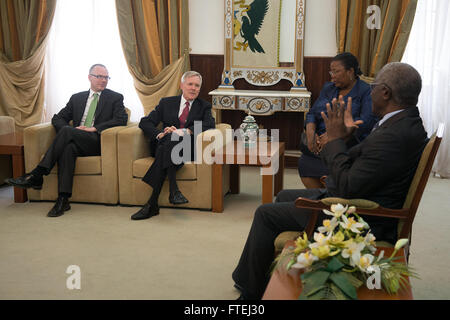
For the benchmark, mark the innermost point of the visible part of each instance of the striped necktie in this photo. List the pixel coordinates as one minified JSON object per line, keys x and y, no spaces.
{"x":184,"y":115}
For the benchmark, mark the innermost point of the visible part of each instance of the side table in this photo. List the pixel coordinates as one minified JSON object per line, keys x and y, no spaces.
{"x":267,"y":155}
{"x":12,"y":144}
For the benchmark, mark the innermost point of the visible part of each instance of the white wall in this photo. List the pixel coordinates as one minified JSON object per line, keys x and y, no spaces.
{"x":206,"y":27}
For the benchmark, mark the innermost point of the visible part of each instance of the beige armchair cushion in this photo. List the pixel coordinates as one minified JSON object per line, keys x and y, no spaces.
{"x":7,"y":125}
{"x":85,"y":165}
{"x":187,"y":172}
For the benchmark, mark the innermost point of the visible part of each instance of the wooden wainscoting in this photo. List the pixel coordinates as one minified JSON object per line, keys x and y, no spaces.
{"x":290,"y":124}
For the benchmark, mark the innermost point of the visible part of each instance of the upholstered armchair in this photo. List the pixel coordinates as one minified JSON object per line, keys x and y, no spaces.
{"x":95,"y":179}
{"x":194,"y":179}
{"x":7,"y":125}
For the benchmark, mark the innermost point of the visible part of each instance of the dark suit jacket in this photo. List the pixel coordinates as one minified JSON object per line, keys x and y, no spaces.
{"x":166,"y":113}
{"x":380,"y":168}
{"x":110,"y":111}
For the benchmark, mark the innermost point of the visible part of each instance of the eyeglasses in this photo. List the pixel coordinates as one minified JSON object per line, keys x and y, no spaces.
{"x":373,"y":85}
{"x":333,"y":73}
{"x":100,"y":77}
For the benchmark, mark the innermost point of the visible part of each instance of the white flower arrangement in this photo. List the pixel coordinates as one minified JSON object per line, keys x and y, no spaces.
{"x":342,"y":257}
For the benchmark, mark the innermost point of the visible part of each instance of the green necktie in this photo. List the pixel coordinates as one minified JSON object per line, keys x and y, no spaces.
{"x":91,"y":112}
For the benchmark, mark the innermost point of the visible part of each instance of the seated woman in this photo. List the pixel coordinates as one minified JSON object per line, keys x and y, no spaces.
{"x":344,"y":71}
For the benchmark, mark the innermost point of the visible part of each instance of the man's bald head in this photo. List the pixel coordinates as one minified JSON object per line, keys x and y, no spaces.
{"x":403,"y":80}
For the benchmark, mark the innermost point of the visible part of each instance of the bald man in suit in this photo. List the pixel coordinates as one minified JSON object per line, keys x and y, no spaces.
{"x":380,"y":169}
{"x":92,"y":112}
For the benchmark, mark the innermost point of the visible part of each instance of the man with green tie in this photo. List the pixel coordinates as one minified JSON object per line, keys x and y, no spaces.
{"x":91,"y":112}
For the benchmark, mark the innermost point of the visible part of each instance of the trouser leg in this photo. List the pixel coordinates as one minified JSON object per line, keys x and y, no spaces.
{"x":162,"y":164}
{"x":252,"y":272}
{"x":66,"y":168}
{"x":68,"y":144}
{"x":87,"y":142}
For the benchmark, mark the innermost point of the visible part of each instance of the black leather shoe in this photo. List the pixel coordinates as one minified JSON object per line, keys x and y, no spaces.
{"x":177,"y":198}
{"x":147,"y":211}
{"x":61,"y":205}
{"x":26,"y":181}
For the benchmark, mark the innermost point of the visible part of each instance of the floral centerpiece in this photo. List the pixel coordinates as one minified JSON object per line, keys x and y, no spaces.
{"x":342,"y":258}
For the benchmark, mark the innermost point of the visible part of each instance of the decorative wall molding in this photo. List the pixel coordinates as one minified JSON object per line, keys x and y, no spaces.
{"x":261,"y":102}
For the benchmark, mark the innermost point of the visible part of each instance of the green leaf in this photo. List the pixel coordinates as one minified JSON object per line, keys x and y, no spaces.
{"x":334,"y":265}
{"x":317,"y":278}
{"x":354,"y":281}
{"x":318,"y":294}
{"x":337,"y":293}
{"x":312,"y":282}
{"x":342,"y":283}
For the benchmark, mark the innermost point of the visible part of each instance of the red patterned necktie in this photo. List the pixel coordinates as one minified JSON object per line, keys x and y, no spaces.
{"x":184,"y":115}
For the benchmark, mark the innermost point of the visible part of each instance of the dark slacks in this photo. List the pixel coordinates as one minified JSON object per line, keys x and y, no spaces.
{"x":253,"y":270}
{"x":69,"y":144}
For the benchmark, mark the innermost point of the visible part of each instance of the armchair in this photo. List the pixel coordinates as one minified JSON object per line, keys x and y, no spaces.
{"x":193,"y":179}
{"x":365,"y":207}
{"x":7,"y":125}
{"x":95,"y":178}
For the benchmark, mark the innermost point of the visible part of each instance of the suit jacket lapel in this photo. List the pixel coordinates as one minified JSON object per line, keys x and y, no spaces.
{"x":194,"y":109}
{"x":80,"y":109}
{"x":101,"y":103}
{"x":176,"y":110}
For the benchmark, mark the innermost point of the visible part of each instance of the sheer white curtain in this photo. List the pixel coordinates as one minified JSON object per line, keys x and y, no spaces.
{"x":85,"y":32}
{"x":428,"y":50}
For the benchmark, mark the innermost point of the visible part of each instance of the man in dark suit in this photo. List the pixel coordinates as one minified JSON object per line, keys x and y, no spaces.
{"x":178,"y":116}
{"x":91,"y":112}
{"x":380,"y":169}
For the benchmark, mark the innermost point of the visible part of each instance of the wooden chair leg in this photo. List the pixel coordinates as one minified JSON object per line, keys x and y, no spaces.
{"x":310,"y":227}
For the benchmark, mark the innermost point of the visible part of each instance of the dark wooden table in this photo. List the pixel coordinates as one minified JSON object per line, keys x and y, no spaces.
{"x":270,"y":158}
{"x":288,"y":285}
{"x":12,"y":144}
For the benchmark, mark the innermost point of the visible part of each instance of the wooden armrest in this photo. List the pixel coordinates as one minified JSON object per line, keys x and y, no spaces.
{"x":363,"y":207}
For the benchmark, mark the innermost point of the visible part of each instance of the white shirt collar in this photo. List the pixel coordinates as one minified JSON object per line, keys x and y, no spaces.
{"x":183,"y":102}
{"x":389,"y":115}
{"x":91,"y":93}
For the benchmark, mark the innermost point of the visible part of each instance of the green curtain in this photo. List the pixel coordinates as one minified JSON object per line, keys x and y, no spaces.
{"x":24,"y":25}
{"x":155,"y":40}
{"x":374,"y":47}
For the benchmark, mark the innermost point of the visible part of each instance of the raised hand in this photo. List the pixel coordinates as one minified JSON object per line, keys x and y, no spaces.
{"x":348,"y":117}
{"x":339,"y":122}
